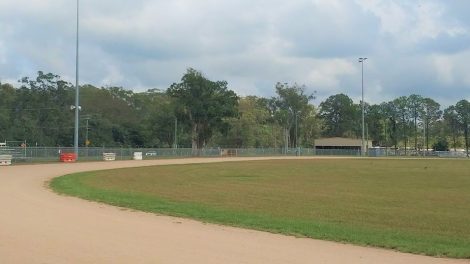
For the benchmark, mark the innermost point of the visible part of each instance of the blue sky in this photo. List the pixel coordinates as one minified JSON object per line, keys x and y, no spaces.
{"x":413,"y":46}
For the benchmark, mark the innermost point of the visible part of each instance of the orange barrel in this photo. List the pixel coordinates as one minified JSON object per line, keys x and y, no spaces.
{"x":68,"y":157}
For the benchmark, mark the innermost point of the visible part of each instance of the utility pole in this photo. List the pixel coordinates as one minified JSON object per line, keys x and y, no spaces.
{"x":425,"y":147}
{"x":86,"y":135}
{"x":77,"y":93}
{"x":86,"y":132}
{"x":367,"y":136}
{"x":175,"y":144}
{"x":286,"y":141}
{"x":386,"y":141}
{"x":296,"y":129}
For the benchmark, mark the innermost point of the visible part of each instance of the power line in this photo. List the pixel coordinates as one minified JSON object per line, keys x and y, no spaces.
{"x":32,"y":109}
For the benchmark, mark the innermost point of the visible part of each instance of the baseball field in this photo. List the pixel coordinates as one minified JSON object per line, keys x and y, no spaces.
{"x":419,"y":206}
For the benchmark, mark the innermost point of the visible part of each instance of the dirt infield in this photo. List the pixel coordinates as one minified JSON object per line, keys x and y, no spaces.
{"x":39,"y":226}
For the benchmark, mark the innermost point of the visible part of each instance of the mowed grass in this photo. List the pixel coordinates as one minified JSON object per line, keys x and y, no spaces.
{"x":418,"y":206}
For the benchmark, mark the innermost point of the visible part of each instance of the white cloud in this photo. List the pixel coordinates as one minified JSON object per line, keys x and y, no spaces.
{"x":413,"y":46}
{"x":413,"y":21}
{"x":393,"y":18}
{"x":3,"y":56}
{"x":113,"y":76}
{"x":328,"y":73}
{"x":444,"y":66}
{"x":452,"y":71}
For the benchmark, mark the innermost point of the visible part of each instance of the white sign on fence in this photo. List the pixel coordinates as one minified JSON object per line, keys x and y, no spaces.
{"x":5,"y":160}
{"x":109,"y":156}
{"x":137,"y":155}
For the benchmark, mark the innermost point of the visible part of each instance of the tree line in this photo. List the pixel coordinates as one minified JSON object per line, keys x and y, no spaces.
{"x":197,"y":112}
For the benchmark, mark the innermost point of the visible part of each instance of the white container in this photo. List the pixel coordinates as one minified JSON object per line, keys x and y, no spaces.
{"x":138,"y":156}
{"x":5,"y":160}
{"x":109,"y":156}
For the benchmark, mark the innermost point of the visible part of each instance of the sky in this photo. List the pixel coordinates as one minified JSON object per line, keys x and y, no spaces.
{"x":412,"y":46}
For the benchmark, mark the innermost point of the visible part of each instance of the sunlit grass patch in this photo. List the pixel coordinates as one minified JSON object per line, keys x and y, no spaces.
{"x":419,"y":206}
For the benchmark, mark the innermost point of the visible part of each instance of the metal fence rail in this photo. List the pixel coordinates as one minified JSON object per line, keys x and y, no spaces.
{"x":50,"y":154}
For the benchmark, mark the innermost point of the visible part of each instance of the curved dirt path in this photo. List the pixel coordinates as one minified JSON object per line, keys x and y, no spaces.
{"x":39,"y":226}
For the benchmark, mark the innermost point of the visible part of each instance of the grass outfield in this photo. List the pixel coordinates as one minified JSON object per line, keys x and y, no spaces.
{"x":418,"y":206}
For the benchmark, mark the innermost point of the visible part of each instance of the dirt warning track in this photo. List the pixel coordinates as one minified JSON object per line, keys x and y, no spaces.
{"x":39,"y":226}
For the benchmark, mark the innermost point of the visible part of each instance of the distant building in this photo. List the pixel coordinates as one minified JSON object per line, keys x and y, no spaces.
{"x":341,"y":143}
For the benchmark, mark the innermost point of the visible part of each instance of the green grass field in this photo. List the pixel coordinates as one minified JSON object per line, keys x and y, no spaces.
{"x":418,"y":206}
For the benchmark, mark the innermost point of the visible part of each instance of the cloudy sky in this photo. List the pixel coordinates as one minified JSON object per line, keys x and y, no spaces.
{"x":413,"y":46}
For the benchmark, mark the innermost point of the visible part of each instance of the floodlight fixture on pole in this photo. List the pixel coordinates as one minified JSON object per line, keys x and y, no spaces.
{"x":77,"y":93}
{"x":361,"y":60}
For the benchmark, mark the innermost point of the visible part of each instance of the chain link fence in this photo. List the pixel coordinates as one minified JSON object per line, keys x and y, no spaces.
{"x":51,"y":154}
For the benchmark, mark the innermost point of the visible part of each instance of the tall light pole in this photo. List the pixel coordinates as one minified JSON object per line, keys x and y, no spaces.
{"x":77,"y":108}
{"x":361,"y":60}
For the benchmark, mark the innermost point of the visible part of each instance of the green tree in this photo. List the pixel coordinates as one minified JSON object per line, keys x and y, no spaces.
{"x":41,"y":115}
{"x":416,"y":109}
{"x":206,"y":104}
{"x":463,"y":114}
{"x":451,"y":120}
{"x":391,"y":123}
{"x":431,"y":115}
{"x":114,"y":120}
{"x":375,"y":124}
{"x":401,"y":108}
{"x":7,"y":104}
{"x":289,"y":109}
{"x":251,"y":128}
{"x":159,"y":113}
{"x":310,"y":127}
{"x":339,"y":116}
{"x":441,"y":145}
